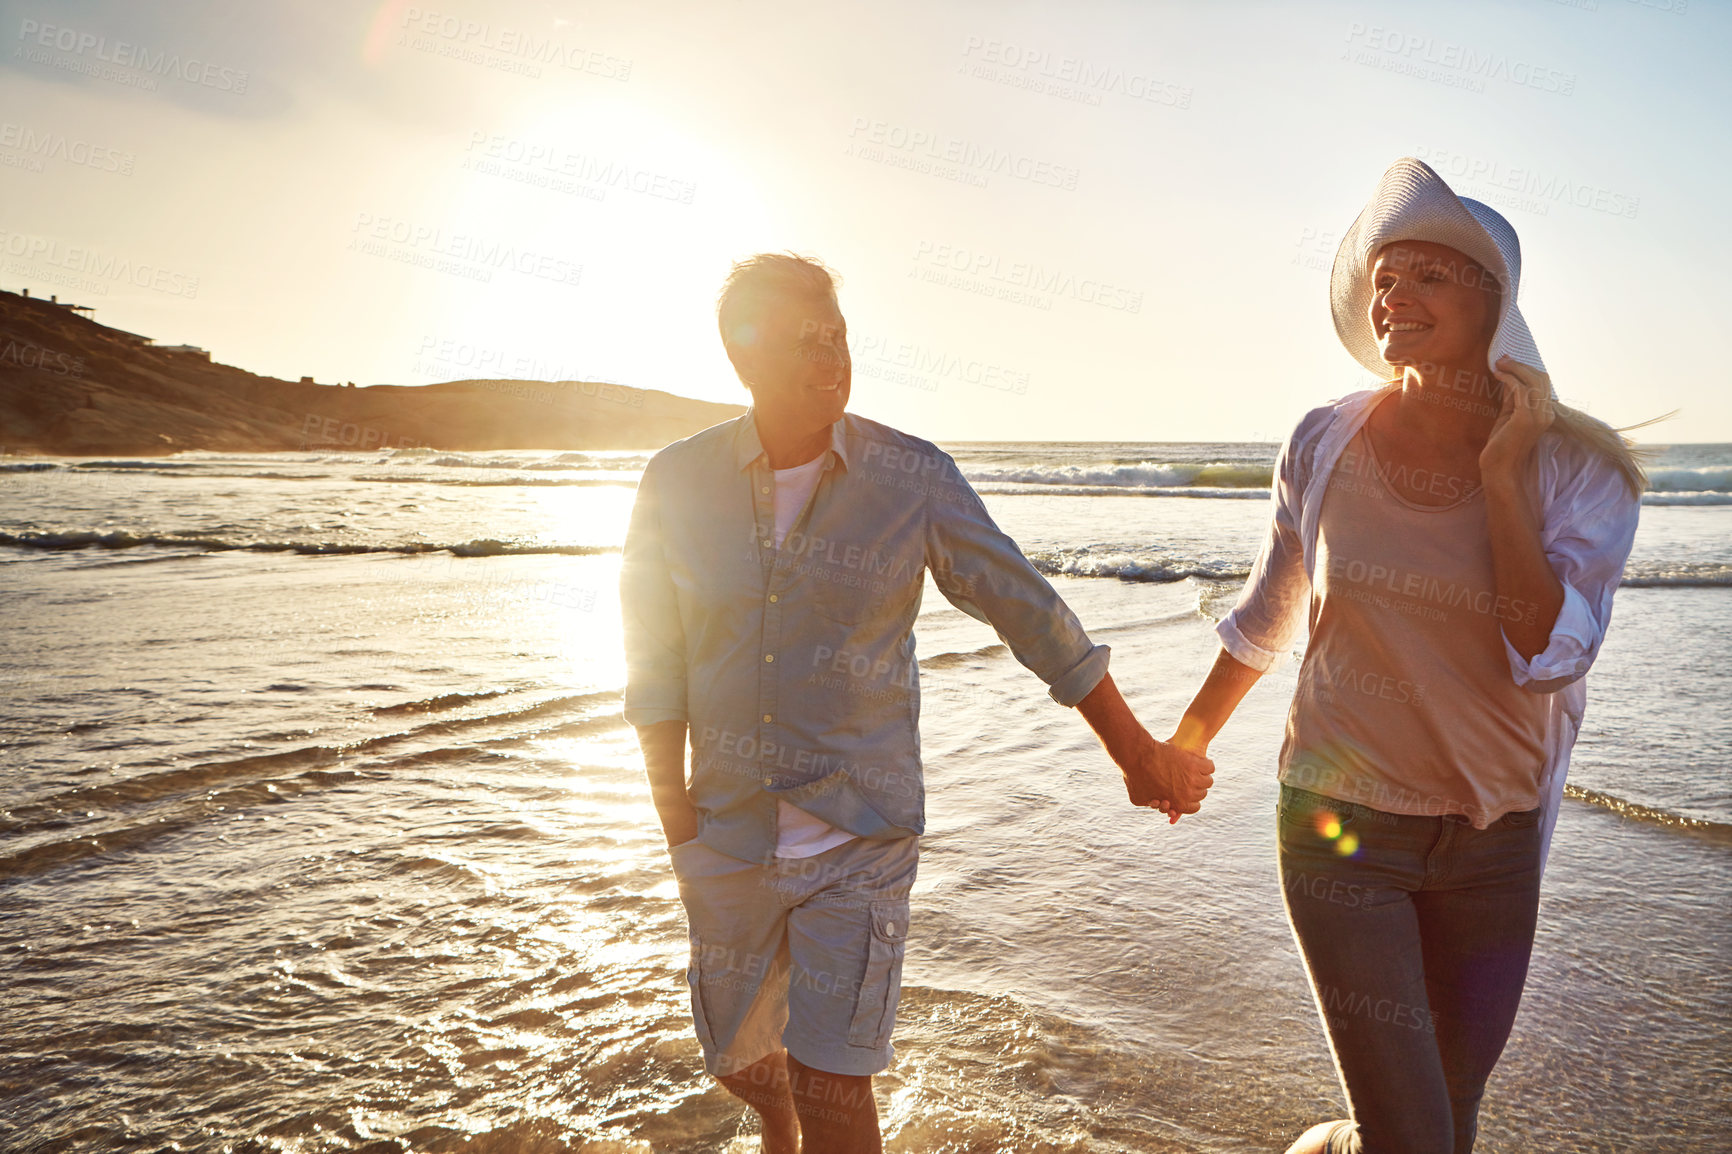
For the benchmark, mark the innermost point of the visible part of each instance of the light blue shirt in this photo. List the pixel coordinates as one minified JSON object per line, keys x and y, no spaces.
{"x":794,"y":666}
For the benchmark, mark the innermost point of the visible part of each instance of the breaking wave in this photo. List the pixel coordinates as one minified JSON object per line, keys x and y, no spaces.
{"x":1141,"y":475}
{"x":1717,"y":831}
{"x":1683,"y":575}
{"x":120,"y":539}
{"x":1708,"y":479}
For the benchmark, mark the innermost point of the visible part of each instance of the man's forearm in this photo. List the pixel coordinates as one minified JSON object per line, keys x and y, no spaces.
{"x":664,"y":760}
{"x":1112,"y":720}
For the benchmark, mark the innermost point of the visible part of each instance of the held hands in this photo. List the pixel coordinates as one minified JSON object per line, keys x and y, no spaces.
{"x":1526,"y":414}
{"x":1156,"y":774}
{"x":1166,"y":777}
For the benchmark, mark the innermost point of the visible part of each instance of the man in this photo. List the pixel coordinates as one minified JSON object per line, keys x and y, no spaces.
{"x":772,"y":573}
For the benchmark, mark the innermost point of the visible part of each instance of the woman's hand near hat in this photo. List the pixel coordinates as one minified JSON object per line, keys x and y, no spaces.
{"x":1522,"y":570}
{"x":1526,"y":415}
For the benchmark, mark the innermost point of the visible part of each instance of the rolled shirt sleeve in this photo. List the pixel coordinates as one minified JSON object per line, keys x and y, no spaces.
{"x":1589,"y":528}
{"x":655,"y":648}
{"x":982,"y":572}
{"x":1261,"y":627}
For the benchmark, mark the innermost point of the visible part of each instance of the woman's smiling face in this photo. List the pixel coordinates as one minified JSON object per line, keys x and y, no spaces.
{"x":1432,"y":305}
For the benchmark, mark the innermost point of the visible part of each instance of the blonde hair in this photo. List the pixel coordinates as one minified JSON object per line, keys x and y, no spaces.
{"x":767,"y":276}
{"x":1590,"y":432}
{"x":1598,"y":437}
{"x":1608,"y":442}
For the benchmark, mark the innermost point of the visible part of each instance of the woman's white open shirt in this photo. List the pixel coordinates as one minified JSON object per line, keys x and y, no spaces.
{"x":1588,"y":517}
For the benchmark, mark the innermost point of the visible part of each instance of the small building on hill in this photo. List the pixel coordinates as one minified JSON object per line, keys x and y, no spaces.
{"x":189,"y":350}
{"x":54,"y":299}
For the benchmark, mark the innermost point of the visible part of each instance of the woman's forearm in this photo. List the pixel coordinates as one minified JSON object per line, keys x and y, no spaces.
{"x":1525,"y":580}
{"x":1228,"y":682}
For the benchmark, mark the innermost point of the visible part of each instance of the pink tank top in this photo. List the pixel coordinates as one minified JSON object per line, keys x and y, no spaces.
{"x":1405,"y":701}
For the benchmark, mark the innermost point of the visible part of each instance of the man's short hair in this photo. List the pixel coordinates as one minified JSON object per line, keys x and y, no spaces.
{"x":764,"y":279}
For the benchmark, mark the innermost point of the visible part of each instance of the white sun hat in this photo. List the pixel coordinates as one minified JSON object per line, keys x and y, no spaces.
{"x":1412,"y":202}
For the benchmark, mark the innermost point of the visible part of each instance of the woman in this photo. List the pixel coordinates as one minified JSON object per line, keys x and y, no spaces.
{"x":1453,"y":540}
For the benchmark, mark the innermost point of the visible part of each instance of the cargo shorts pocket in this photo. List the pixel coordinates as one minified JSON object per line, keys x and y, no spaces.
{"x":700,"y":1020}
{"x":881,"y":986}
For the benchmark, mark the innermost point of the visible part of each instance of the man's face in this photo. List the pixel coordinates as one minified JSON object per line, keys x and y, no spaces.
{"x":797,"y":364}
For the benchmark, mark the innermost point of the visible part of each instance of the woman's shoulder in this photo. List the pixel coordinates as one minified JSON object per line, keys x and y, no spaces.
{"x":1569,"y":455}
{"x":1580,"y":475}
{"x":1314,"y":426}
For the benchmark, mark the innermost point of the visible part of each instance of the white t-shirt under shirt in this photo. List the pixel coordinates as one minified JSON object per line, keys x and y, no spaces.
{"x":1405,"y":703}
{"x":798,"y":833}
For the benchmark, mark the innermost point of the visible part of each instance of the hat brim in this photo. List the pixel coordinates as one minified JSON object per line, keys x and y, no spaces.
{"x":1412,"y":202}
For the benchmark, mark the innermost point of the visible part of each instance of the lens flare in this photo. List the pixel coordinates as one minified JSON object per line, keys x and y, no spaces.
{"x":391,"y":16}
{"x":1330,"y":827}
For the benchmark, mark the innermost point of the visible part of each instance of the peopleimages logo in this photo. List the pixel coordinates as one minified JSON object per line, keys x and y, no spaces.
{"x":31,"y":356}
{"x":45,"y":145}
{"x":832,"y":556}
{"x":527,"y":161}
{"x":1068,"y":77}
{"x":90,"y":269}
{"x":924,"y":366}
{"x":499,"y":369}
{"x":958,"y":266}
{"x":873,"y":137}
{"x":751,"y":755}
{"x":1424,"y":55}
{"x":462,"y":34}
{"x":463,"y":254}
{"x":1424,"y":595}
{"x":1521,"y":181}
{"x":138,"y":57}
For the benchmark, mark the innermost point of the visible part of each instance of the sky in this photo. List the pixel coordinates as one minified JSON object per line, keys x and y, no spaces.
{"x":1078,"y":220}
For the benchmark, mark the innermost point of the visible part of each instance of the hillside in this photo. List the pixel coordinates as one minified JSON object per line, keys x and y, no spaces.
{"x":71,"y":386}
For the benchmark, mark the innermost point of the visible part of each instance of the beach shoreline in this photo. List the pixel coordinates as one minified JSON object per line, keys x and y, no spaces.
{"x":315,"y":850}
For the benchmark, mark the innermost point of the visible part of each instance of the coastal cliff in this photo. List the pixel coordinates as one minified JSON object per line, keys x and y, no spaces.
{"x":70,"y":386}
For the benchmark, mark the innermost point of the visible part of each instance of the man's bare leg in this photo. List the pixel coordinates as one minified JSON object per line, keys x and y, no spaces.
{"x":764,"y":1087}
{"x":837,"y":1112}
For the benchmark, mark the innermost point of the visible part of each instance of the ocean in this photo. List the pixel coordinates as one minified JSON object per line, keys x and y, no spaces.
{"x":320,"y":829}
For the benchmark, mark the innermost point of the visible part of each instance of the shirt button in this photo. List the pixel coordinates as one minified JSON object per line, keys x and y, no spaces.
{"x":769,"y":781}
{"x":767,"y":545}
{"x":765,"y":489}
{"x":767,"y":719}
{"x":890,"y":928}
{"x":774,"y":599}
{"x":768,"y":657}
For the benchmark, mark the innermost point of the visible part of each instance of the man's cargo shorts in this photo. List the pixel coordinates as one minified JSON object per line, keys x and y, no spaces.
{"x":802,"y":953}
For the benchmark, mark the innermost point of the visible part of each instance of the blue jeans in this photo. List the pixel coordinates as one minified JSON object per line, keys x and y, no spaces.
{"x":1416,"y":933}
